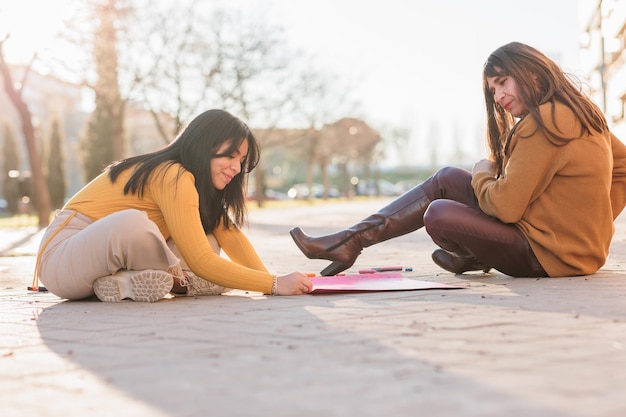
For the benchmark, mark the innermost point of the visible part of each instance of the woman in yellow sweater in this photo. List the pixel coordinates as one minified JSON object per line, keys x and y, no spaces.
{"x":543,"y":204}
{"x":155,"y":223}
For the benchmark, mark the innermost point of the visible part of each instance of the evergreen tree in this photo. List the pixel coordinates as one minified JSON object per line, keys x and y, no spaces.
{"x":11,"y":164}
{"x":95,"y":146}
{"x":56,"y":171}
{"x":104,"y":138}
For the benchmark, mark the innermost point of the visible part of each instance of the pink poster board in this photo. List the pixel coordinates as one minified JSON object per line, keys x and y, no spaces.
{"x":372,"y":282}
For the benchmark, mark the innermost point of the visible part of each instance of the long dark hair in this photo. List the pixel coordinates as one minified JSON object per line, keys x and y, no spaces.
{"x":194,"y":148}
{"x":539,"y":80}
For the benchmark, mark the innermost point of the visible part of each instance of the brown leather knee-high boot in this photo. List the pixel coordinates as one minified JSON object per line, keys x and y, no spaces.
{"x":403,"y":215}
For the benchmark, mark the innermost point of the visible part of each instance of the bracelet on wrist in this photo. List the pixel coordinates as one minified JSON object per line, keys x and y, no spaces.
{"x":275,"y":286}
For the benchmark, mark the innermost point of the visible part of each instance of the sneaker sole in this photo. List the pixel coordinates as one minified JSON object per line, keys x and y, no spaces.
{"x":147,"y":286}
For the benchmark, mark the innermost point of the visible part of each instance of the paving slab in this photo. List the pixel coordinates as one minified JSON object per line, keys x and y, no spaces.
{"x":499,"y":346}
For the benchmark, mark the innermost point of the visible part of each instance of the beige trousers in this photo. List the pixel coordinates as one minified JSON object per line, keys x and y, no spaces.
{"x":84,"y":250}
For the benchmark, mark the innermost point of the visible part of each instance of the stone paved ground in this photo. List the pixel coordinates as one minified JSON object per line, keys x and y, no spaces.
{"x":498,"y":347}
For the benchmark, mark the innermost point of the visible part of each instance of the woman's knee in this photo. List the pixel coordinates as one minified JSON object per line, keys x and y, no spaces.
{"x":451,"y":183}
{"x":128,"y":219}
{"x":439,"y":212}
{"x":453,"y":175}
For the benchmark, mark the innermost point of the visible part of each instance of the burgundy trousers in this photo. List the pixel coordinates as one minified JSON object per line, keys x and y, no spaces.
{"x":455,"y":223}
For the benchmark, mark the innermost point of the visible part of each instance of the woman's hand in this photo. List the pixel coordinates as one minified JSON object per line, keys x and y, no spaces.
{"x":295,"y":283}
{"x":484,"y":165}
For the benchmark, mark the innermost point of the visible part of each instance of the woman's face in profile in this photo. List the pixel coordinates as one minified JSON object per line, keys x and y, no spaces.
{"x":505,"y":92}
{"x":226,"y":167}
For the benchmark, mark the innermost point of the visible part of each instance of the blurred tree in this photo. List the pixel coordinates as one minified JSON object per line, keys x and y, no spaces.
{"x":40,"y":198}
{"x":95,"y":146}
{"x":398,"y":137}
{"x":57,"y":184}
{"x":10,"y":167}
{"x":232,"y":60}
{"x":459,"y":138}
{"x":350,"y":140}
{"x":103,"y":141}
{"x":178,"y":59}
{"x":253,"y":80}
{"x":171,"y":63}
{"x":319,"y":101}
{"x":434,"y":140}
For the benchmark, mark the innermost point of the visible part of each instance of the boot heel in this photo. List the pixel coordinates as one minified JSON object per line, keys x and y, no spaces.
{"x":334,"y":269}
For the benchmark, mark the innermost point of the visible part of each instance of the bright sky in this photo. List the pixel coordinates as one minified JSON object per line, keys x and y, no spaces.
{"x":413,"y":63}
{"x":418,"y":63}
{"x":32,"y":25}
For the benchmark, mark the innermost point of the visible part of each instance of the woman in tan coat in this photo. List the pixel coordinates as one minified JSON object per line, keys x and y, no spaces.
{"x":542,"y":204}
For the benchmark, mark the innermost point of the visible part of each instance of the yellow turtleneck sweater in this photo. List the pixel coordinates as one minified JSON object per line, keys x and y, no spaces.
{"x":170,"y":200}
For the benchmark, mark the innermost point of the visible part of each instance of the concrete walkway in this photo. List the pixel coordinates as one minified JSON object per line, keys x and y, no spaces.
{"x":498,"y":347}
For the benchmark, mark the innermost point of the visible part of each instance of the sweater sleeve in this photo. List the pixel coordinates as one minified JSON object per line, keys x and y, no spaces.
{"x":238,"y":248}
{"x":618,"y":185}
{"x":527,"y":173}
{"x":177,"y":198}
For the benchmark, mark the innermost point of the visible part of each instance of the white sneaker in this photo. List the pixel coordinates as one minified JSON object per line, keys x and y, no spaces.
{"x":198,"y":286}
{"x":148,"y":286}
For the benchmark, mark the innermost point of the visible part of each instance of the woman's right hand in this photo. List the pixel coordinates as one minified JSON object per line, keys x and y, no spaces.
{"x":484,"y":165}
{"x":295,"y":283}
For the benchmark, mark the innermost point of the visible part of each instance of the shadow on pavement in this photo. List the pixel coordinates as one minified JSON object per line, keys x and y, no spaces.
{"x":282,"y":356}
